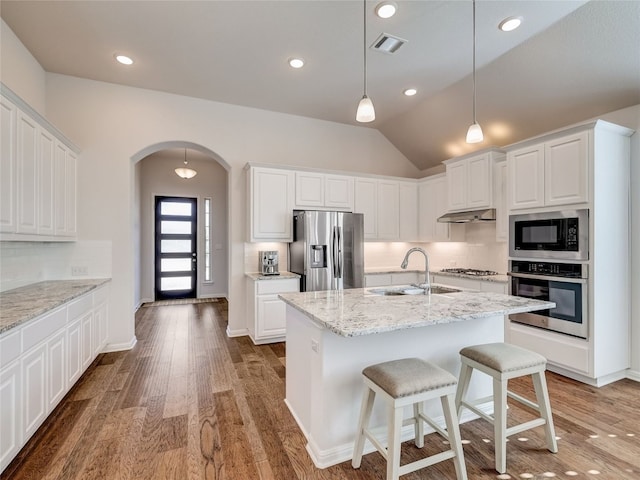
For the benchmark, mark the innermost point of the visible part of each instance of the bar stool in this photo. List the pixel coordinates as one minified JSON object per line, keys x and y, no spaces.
{"x":503,"y":362}
{"x":409,"y":381}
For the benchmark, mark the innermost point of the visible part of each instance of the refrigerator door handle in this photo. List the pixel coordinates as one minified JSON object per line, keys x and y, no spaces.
{"x":334,"y":252}
{"x":339,"y":257}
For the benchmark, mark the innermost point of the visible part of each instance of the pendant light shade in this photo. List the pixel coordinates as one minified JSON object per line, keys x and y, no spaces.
{"x":365,"y":113}
{"x":185,"y":172}
{"x":474,"y":134}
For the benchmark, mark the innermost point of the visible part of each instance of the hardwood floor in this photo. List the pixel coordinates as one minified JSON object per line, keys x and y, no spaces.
{"x":190,"y":403}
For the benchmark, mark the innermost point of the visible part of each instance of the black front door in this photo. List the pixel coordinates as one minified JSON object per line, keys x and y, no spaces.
{"x":175,"y":248}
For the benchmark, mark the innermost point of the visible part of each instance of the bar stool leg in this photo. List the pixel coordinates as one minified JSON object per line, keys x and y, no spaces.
{"x":542,"y":396}
{"x":500,"y":423}
{"x":419,"y":425}
{"x":455,"y":440}
{"x":368,"y":397}
{"x":393,"y":442}
{"x":463,"y":386}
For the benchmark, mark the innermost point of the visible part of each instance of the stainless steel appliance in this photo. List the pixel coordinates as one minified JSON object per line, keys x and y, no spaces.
{"x":562,"y":235}
{"x":268,"y":263}
{"x":327,"y":250}
{"x":562,"y":283}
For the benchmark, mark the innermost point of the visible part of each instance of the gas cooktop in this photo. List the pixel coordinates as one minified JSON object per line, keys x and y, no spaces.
{"x":469,"y":271}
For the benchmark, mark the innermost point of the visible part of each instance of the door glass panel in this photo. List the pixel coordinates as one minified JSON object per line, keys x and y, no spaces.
{"x":175,"y":246}
{"x":167,"y":226}
{"x":175,"y":265}
{"x":175,"y":208}
{"x":175,"y":283}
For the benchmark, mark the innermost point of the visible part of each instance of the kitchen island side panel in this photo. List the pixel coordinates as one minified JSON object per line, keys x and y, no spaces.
{"x":324,"y":387}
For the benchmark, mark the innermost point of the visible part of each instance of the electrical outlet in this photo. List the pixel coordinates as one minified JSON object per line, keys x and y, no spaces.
{"x":79,"y":271}
{"x":315,"y":346}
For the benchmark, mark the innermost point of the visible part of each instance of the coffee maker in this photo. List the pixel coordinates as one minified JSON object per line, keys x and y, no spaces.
{"x":268,"y":263}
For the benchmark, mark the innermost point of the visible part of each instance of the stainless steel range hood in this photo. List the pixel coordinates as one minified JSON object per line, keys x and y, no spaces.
{"x":484,"y":215}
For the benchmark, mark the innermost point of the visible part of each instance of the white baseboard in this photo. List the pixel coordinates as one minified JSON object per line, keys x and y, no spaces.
{"x":119,"y":347}
{"x":241,"y":332}
{"x":594,"y":382}
{"x":633,"y":375}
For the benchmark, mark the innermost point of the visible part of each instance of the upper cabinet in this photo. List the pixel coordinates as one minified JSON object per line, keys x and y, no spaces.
{"x":470,"y":181}
{"x":323,"y":191}
{"x":35,"y":187}
{"x":271,"y":192}
{"x":432,"y":200}
{"x":550,"y":173}
{"x":384,"y":215}
{"x":500,"y":201}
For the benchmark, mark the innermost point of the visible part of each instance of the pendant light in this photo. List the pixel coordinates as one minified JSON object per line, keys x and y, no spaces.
{"x":365,"y":112}
{"x":474,"y":134}
{"x":185,"y":172}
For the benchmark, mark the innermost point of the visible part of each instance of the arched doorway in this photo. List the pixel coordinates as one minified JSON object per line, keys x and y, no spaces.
{"x":154,"y":177}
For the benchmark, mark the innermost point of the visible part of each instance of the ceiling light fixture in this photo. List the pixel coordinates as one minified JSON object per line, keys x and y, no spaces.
{"x":386,"y":9}
{"x":410,"y":92}
{"x":185,"y":172}
{"x":296,"y":62}
{"x":474,"y":134}
{"x":124,"y":60}
{"x":365,"y":113}
{"x":509,"y":24}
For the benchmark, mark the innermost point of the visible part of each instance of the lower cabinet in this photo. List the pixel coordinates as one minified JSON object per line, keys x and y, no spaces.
{"x":267,"y":313}
{"x":395,"y":278}
{"x":41,"y":360}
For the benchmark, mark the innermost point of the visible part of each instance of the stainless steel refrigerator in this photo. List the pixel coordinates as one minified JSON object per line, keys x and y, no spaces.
{"x":327,"y":250}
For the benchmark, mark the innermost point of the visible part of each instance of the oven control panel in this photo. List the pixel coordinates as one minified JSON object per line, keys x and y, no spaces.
{"x":569,"y":270}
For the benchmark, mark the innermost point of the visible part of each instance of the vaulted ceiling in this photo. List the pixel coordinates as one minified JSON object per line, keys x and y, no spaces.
{"x":569,"y":61}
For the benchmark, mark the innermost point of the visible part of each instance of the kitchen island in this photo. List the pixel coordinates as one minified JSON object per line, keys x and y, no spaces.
{"x":333,"y":335}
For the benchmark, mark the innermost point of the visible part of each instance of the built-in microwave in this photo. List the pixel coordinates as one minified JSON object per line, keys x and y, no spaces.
{"x":562,"y":235}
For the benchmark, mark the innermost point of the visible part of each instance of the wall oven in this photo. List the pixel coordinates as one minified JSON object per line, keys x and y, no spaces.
{"x":562,"y":283}
{"x":562,"y":235}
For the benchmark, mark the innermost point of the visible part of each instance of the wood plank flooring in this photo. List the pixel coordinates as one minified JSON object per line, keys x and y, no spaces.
{"x":190,"y":403}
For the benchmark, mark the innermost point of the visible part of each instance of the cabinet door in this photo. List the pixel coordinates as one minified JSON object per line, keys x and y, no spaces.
{"x":11,"y":413}
{"x":34,"y":388}
{"x":565,"y":170}
{"x":479,"y":182}
{"x":525,"y":171}
{"x":338,"y":192}
{"x":7,"y":166}
{"x":457,"y":186}
{"x":100,"y":323}
{"x":309,"y":189}
{"x":426,"y":213}
{"x":388,"y":210}
{"x":57,"y":369}
{"x":408,"y":212}
{"x":27,"y":174}
{"x":366,"y":202}
{"x":46,"y":197}
{"x":271,"y":204}
{"x":86,"y":340}
{"x":71,"y":185}
{"x":271,"y":316}
{"x":500,"y":201}
{"x":74,"y":346}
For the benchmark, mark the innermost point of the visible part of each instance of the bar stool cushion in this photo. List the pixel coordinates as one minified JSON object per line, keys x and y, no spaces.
{"x":503,"y":357}
{"x":408,"y":376}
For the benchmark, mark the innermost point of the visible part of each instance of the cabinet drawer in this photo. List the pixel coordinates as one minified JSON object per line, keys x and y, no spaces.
{"x":80,"y":306}
{"x":9,"y":348}
{"x":37,"y":330}
{"x":100,"y":295}
{"x":266,"y":287}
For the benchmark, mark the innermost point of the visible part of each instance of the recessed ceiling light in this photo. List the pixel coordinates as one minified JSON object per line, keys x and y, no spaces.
{"x":510,"y":23}
{"x":123,"y":59}
{"x":296,"y":62}
{"x":410,"y":92}
{"x":386,"y":9}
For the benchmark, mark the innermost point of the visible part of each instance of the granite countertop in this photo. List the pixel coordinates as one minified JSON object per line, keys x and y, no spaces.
{"x":357,"y":311}
{"x":485,"y":278}
{"x":22,"y":304}
{"x":282,"y":276}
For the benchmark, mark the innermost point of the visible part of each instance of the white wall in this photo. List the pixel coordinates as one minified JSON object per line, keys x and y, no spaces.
{"x":157,"y":177}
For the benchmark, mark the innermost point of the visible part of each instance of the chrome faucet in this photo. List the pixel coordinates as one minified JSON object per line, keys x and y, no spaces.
{"x":426,"y":286}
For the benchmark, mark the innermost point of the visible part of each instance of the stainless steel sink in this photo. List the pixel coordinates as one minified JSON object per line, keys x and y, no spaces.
{"x":410,"y":290}
{"x":437,"y":289}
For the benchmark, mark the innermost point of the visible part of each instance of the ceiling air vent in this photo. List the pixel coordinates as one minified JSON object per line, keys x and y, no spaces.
{"x":389,"y":44}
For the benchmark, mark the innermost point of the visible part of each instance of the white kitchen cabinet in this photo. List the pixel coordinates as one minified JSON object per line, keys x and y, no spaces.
{"x":7,"y":165}
{"x":34,"y":391}
{"x":408,"y":215}
{"x":551,"y":173}
{"x":309,"y":189}
{"x":323,"y":191}
{"x":74,"y":349}
{"x":432,"y":198}
{"x":266,"y":311}
{"x":392,"y":278}
{"x":37,"y":196}
{"x":11,"y":412}
{"x":271,"y":200}
{"x":338,"y":192}
{"x":366,"y":202}
{"x":27,"y":174}
{"x":470,"y":181}
{"x":100,"y":315}
{"x":500,"y":201}
{"x":56,"y":368}
{"x":388,"y":210}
